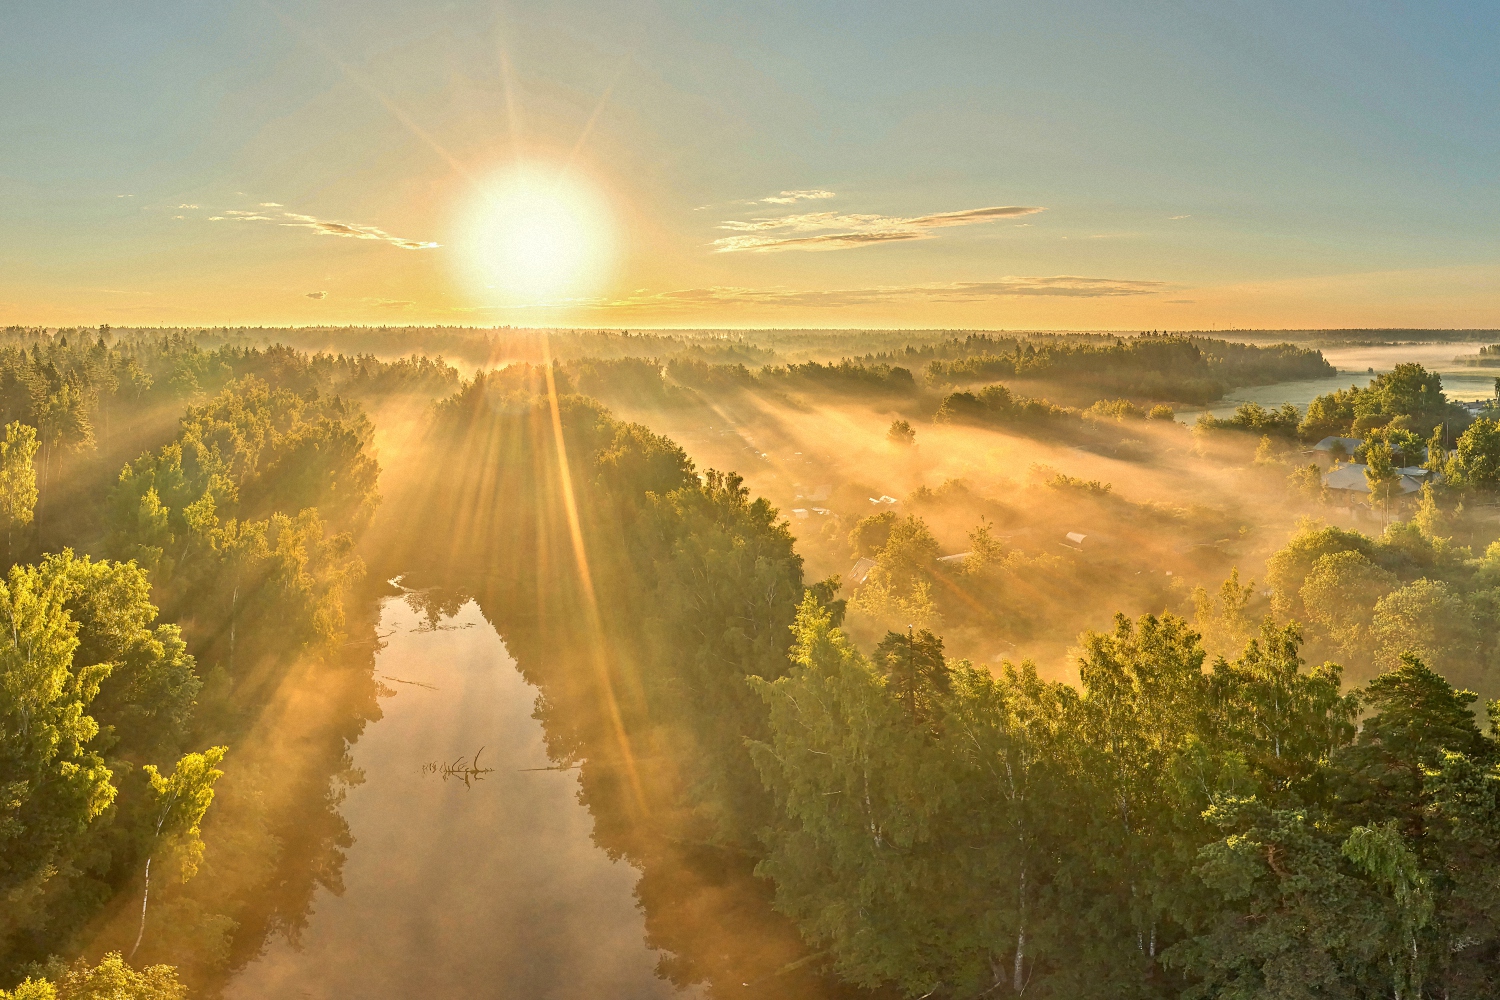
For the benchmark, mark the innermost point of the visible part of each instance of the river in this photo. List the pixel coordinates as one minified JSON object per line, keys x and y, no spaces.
{"x":1356,"y":366}
{"x":463,"y":885}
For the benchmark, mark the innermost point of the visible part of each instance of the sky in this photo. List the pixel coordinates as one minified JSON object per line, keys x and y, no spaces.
{"x":1080,"y":165}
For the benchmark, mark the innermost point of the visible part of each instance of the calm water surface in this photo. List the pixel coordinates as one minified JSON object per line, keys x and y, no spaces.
{"x":1354,"y":363}
{"x":487,"y":889}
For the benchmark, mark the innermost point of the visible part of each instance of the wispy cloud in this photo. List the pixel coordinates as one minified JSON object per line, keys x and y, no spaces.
{"x":187,"y":206}
{"x":271,"y":204}
{"x":324,"y":227}
{"x":953,"y":291}
{"x":232,"y":215}
{"x":836,"y":231}
{"x":1179,"y":216}
{"x":317,"y":295}
{"x":390,"y":303}
{"x":327,"y":227}
{"x":792,"y":197}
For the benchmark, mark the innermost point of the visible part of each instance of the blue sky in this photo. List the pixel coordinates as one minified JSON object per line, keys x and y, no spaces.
{"x":1250,"y":164}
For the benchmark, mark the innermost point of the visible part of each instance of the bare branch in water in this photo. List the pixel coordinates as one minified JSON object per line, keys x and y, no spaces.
{"x":463,"y":769}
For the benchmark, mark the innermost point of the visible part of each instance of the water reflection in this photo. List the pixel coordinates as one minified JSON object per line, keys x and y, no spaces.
{"x":491,"y":888}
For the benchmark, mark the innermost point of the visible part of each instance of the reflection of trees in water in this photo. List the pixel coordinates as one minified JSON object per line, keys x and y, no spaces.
{"x":276,"y":835}
{"x":704,"y":910}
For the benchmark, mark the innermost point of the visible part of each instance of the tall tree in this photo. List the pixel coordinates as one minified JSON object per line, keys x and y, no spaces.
{"x":18,"y":492}
{"x":915,"y":672}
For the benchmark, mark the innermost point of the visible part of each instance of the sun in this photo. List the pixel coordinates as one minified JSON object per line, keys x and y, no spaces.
{"x":540,"y":237}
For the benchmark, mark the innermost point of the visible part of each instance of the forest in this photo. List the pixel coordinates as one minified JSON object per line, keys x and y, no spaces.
{"x":991,"y":759}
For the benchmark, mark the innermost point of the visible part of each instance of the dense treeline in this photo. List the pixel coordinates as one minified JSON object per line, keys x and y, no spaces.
{"x":227,"y":550}
{"x":476,"y":348}
{"x":1105,"y":426}
{"x":1163,"y":830}
{"x":251,"y":513}
{"x":1152,"y":366}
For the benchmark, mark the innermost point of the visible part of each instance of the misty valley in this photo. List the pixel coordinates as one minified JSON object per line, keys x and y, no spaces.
{"x":425,"y":661}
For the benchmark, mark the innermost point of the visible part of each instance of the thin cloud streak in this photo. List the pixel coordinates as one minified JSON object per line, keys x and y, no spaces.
{"x":1066,"y":286}
{"x":835,"y":231}
{"x":792,"y":197}
{"x":325,"y":227}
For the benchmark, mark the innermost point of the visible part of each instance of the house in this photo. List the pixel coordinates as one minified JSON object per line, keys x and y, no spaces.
{"x":1479,"y":407}
{"x":1336,"y":447}
{"x":956,"y":557}
{"x":1351,"y":479}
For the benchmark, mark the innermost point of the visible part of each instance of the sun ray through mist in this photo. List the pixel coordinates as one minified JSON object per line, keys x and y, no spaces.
{"x":593,"y":617}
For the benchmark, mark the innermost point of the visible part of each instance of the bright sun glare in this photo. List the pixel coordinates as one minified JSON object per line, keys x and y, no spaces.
{"x":539,"y":238}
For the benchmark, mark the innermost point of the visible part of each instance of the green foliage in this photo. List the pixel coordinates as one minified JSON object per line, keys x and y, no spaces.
{"x":1475,"y":461}
{"x":901,"y":432}
{"x":994,"y":405}
{"x":1409,"y":391}
{"x":727,"y":583}
{"x":1340,"y":595}
{"x":1381,"y":475}
{"x":907,"y":557}
{"x":1253,"y":418}
{"x":843,"y":376}
{"x":1287,"y":570}
{"x":869,"y":534}
{"x":1239,"y":827}
{"x":863,"y":794}
{"x":984,"y":549}
{"x":1433,"y":521}
{"x":1306,"y":481}
{"x":915,"y":672}
{"x":897,"y":593}
{"x":55,"y":784}
{"x":257,"y":450}
{"x":1427,"y":618}
{"x":1072,"y":484}
{"x":1404,"y":447}
{"x":84,"y":672}
{"x":1222,"y":620}
{"x":18,"y":492}
{"x":111,"y":979}
{"x":251,"y":513}
{"x":1118,"y":410}
{"x":178,"y":803}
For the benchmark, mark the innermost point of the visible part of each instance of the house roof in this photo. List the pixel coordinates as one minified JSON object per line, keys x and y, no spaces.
{"x":1349,"y":444}
{"x":1352,"y":478}
{"x":861,"y":570}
